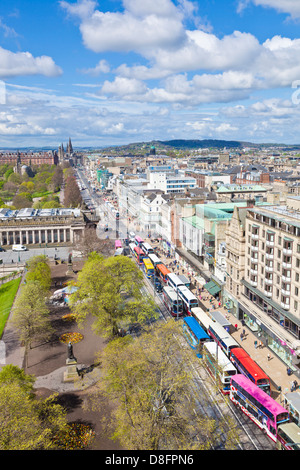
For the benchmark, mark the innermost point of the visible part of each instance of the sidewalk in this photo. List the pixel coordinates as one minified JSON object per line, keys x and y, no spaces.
{"x":274,"y":367}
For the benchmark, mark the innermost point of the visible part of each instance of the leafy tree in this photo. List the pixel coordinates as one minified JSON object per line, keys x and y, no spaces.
{"x":39,"y":270}
{"x":27,"y":423}
{"x":152,"y":392}
{"x":110,"y":289}
{"x":31,"y":315}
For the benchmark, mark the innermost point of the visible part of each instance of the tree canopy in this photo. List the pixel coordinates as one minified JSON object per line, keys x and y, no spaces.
{"x":111,"y":290}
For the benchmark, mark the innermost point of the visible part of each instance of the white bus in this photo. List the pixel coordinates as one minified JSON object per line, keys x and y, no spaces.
{"x":147,"y":248}
{"x":219,"y":365}
{"x":171,"y":301}
{"x":154,"y":259}
{"x":202,"y":318}
{"x":188,"y":298}
{"x":174,"y":281}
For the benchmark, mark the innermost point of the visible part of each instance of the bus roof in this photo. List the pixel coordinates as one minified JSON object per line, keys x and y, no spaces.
{"x":219,"y":317}
{"x":259,"y":394}
{"x":294,"y":399}
{"x":171,"y":293}
{"x":138,"y":239}
{"x":223,"y":360}
{"x":292,"y":431}
{"x":196,"y":328}
{"x":202,"y":316}
{"x":147,"y":263}
{"x":138,"y":250}
{"x":147,"y":246}
{"x":154,"y":258}
{"x":249,"y":363}
{"x":163,"y":268}
{"x":186,"y":292}
{"x":175,"y":279}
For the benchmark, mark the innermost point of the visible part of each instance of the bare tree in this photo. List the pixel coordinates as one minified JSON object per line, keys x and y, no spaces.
{"x":90,"y":242}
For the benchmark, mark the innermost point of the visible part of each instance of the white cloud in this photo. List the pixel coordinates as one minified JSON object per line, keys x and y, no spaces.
{"x":101,"y":67}
{"x":13,"y":64}
{"x":291,"y":7}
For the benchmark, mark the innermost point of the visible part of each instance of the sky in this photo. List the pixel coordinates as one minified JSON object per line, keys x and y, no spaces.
{"x":113,"y":72}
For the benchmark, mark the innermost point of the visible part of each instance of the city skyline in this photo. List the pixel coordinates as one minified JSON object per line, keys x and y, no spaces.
{"x":114,"y":72}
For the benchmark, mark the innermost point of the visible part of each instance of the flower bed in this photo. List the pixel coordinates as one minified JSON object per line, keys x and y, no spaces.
{"x":71,"y":338}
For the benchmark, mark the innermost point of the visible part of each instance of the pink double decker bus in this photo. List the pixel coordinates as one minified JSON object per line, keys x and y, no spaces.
{"x":265,"y":412}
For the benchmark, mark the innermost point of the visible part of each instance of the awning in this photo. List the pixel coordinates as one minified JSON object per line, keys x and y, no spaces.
{"x":212,"y":287}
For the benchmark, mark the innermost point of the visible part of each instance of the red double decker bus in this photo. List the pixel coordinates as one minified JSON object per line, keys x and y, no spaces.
{"x":246,"y":366}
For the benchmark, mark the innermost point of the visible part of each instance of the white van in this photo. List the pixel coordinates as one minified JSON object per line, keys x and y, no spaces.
{"x":131,"y":236}
{"x":19,"y":248}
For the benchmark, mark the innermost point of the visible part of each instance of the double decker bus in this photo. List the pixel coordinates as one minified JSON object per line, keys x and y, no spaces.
{"x":147,"y":248}
{"x":265,"y":412}
{"x":218,"y":365}
{"x":172,"y":302}
{"x":195,"y":335}
{"x":154,"y":259}
{"x":162,"y":272}
{"x":174,"y":281}
{"x":148,"y":267}
{"x":188,"y":298}
{"x":222,"y":337}
{"x":139,"y":255}
{"x":246,"y":366}
{"x":288,"y":437}
{"x":202,"y":318}
{"x":118,"y":244}
{"x":138,"y":241}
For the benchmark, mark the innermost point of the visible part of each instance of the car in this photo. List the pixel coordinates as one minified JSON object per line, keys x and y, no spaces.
{"x":2,"y":249}
{"x":158,"y":287}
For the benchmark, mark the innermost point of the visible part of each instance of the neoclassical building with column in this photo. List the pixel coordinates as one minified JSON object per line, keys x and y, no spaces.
{"x":42,"y":226}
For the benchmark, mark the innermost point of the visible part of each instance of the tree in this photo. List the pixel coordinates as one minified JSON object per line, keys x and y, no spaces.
{"x":72,"y":195}
{"x":27,"y":423}
{"x":31,"y":315}
{"x":154,"y":404}
{"x":39,"y":270}
{"x":110,"y":289}
{"x":90,"y":242}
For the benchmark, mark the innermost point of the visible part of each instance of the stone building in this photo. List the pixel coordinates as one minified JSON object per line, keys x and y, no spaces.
{"x":43,"y":226}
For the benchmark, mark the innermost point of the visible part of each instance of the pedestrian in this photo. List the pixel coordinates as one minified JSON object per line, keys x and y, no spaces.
{"x":289,"y":371}
{"x":260,"y":345}
{"x":269,"y":356}
{"x":255,"y":344}
{"x":242,"y":336}
{"x":235,"y":326}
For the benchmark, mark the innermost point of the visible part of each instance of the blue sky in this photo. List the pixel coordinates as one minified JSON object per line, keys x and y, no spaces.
{"x":120,"y":71}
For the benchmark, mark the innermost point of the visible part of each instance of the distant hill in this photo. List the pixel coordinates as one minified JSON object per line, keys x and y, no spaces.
{"x":193,"y":144}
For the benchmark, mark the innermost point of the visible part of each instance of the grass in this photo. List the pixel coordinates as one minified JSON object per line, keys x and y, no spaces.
{"x":7,"y":295}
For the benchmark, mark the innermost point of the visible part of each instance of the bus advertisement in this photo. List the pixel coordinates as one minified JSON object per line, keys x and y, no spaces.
{"x":218,"y":365}
{"x":188,"y":298}
{"x":148,"y":267}
{"x":246,"y":366}
{"x":194,"y":335}
{"x":265,"y":412}
{"x":162,"y":272}
{"x":171,"y":301}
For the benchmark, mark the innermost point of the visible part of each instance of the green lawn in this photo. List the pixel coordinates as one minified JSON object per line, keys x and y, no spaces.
{"x":7,"y":294}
